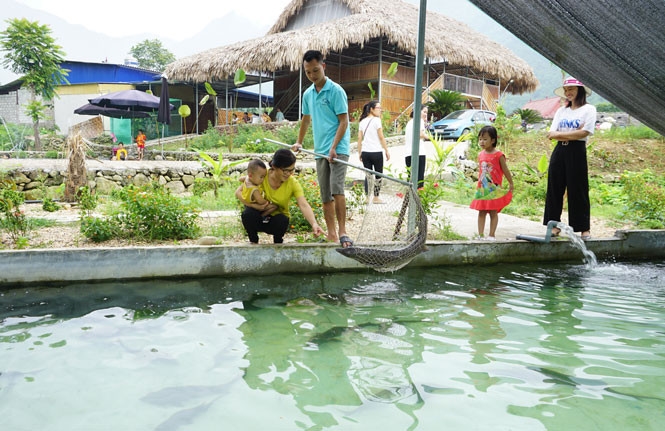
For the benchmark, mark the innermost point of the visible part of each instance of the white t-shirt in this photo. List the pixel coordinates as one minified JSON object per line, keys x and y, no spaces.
{"x":370,"y":127}
{"x":566,"y":119}
{"x":408,"y":138}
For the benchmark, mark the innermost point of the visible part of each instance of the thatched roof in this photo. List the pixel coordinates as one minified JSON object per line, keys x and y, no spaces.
{"x":445,"y":40}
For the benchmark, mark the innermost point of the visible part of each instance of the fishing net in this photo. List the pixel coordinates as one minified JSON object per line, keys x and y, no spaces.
{"x":390,"y":232}
{"x":392,"y":229}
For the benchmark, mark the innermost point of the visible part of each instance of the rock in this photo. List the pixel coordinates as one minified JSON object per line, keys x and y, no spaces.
{"x":32,"y":185}
{"x":176,"y":187}
{"x":34,"y":194}
{"x":20,"y":178}
{"x":140,"y":180}
{"x":207,"y":240}
{"x":105,"y":187}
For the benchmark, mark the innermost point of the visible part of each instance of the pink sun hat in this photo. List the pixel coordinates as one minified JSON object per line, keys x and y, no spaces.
{"x":571,"y":82}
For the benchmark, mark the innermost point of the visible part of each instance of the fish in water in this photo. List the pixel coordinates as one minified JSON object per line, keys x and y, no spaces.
{"x":393,"y":259}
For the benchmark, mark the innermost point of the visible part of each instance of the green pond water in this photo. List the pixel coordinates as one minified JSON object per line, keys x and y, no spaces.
{"x":506,"y":347}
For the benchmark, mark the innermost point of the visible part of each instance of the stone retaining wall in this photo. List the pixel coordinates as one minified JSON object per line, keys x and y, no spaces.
{"x":38,"y":182}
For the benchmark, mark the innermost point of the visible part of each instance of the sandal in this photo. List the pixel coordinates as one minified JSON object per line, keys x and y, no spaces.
{"x":586,"y":236}
{"x":556,"y":232}
{"x":345,"y":241}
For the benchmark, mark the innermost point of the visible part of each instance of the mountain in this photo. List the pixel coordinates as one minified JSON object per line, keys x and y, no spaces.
{"x":81,"y":44}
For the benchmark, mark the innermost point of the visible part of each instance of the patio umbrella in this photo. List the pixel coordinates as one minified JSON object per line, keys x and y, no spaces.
{"x":134,"y":99}
{"x":89,"y":109}
{"x":164,"y":111}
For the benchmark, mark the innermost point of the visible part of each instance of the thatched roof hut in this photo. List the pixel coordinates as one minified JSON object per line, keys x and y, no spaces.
{"x":354,"y":32}
{"x":445,"y":40}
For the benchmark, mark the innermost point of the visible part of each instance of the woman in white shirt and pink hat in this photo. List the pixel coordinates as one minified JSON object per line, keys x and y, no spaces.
{"x":573,"y":123}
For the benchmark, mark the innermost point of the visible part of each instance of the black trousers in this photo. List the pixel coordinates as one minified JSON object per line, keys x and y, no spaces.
{"x":568,"y":170}
{"x":253,"y":222}
{"x":421,"y":169}
{"x":373,"y":161}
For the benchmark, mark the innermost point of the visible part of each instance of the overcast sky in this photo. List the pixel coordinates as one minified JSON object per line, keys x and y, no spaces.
{"x":128,"y":17}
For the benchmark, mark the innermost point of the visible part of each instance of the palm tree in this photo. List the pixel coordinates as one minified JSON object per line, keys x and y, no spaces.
{"x":531,"y":116}
{"x":444,"y":102}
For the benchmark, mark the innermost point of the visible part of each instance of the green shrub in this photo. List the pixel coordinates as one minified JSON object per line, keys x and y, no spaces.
{"x":645,"y":197}
{"x":210,"y":139}
{"x":310,"y":186}
{"x":49,"y":205}
{"x":247,"y":134}
{"x":87,"y":200}
{"x":51,"y":154}
{"x":152,"y":213}
{"x":201,"y":186}
{"x":288,"y":133}
{"x":100,"y":229}
{"x":261,"y":146}
{"x":14,"y":219}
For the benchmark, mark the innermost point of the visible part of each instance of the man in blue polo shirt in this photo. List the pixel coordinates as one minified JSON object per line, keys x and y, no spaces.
{"x":325,"y":106}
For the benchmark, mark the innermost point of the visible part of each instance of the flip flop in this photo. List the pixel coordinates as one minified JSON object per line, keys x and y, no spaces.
{"x":345,"y":240}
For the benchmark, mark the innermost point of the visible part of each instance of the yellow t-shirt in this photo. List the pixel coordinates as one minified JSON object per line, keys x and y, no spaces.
{"x":281,"y":197}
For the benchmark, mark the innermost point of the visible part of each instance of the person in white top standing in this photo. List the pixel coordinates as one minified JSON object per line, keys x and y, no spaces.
{"x":408,"y":144}
{"x":568,"y":170}
{"x":371,"y":144}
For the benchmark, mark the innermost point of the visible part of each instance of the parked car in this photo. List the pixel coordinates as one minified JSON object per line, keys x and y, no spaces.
{"x":457,"y":123}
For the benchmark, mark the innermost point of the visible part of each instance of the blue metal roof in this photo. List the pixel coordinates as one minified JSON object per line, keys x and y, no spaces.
{"x":81,"y":72}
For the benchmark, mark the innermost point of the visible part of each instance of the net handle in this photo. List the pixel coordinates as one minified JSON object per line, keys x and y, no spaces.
{"x":362,"y":168}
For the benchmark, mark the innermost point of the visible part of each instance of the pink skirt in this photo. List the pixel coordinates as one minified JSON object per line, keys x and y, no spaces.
{"x":496,"y":204}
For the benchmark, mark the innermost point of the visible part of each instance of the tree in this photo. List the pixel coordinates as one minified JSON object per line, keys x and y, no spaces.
{"x":152,"y":55}
{"x":31,"y":51}
{"x":444,"y":102}
{"x":531,"y":116}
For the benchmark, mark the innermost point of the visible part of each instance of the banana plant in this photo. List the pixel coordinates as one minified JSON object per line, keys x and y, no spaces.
{"x":371,"y":90}
{"x":392,"y":70}
{"x":218,"y":169}
{"x":185,"y":112}
{"x":211,"y":92}
{"x":238,"y":79}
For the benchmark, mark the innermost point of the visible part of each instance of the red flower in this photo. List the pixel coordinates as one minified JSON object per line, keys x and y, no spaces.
{"x":400,"y":195}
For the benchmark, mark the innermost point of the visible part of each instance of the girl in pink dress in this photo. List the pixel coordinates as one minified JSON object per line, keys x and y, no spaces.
{"x":490,"y":197}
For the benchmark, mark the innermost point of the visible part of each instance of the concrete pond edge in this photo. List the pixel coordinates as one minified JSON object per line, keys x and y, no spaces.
{"x":62,"y":266}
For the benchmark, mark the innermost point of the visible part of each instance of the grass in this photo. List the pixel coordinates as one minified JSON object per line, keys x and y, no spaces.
{"x":226,"y":200}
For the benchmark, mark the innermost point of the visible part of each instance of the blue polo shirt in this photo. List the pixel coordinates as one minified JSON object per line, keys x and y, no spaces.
{"x":324,"y":107}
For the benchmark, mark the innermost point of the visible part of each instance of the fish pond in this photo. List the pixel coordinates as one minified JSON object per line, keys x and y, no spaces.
{"x":505,"y":347}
